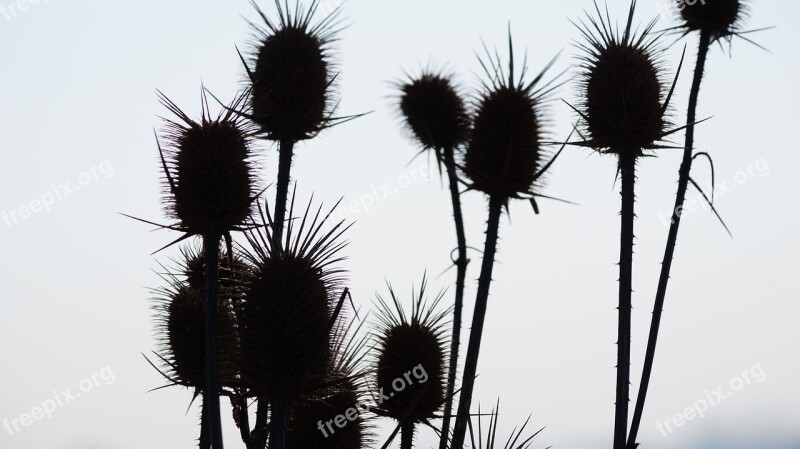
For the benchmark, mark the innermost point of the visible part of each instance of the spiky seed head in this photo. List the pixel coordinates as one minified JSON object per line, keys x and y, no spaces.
{"x":411,"y":348}
{"x":344,"y":400}
{"x":210,"y":180}
{"x":434,"y":111}
{"x":180,"y":315}
{"x":286,"y":312}
{"x":718,"y":18}
{"x":291,"y":75}
{"x":505,"y":150}
{"x":622,"y":89}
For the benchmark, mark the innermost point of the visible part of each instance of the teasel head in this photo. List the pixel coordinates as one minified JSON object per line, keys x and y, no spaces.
{"x":434,"y":111}
{"x":505,"y":156}
{"x":624,"y":96}
{"x":409,"y":357}
{"x":719,"y":19}
{"x":343,"y":395}
{"x":210,"y":181}
{"x":291,"y":71}
{"x":291,"y":304}
{"x":179,"y":315}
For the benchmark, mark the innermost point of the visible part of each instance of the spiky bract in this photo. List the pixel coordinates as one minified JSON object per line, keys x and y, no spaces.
{"x":291,"y":72}
{"x":623,"y":93}
{"x":210,"y":178}
{"x":434,"y":111}
{"x":410,"y":357}
{"x":285,"y":318}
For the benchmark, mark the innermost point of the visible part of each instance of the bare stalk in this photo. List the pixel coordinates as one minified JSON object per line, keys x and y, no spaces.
{"x":211,"y":393}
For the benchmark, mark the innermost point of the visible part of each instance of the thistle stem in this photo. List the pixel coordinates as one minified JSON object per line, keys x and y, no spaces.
{"x":211,"y":394}
{"x":205,"y":443}
{"x":627,"y":166}
{"x":285,"y":153}
{"x":461,"y":274}
{"x":279,"y":423}
{"x":407,"y":435}
{"x":260,"y":433}
{"x":481,"y":300}
{"x":672,"y":237}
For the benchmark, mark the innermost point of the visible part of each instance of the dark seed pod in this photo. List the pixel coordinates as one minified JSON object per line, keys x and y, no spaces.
{"x":410,"y":358}
{"x":285,"y":317}
{"x":434,"y":111}
{"x":718,"y":18}
{"x":291,"y":74}
{"x":504,"y":154}
{"x":314,"y":423}
{"x":181,"y":326}
{"x":210,"y":178}
{"x":622,"y":89}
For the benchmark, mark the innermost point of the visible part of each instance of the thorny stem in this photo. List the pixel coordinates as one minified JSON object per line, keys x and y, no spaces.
{"x":461,"y":274}
{"x":481,"y":300}
{"x":407,"y":435}
{"x":627,"y":166}
{"x":285,"y":151}
{"x":205,"y":443}
{"x":211,"y":393}
{"x":260,"y":433}
{"x":279,"y":423}
{"x":666,"y":265}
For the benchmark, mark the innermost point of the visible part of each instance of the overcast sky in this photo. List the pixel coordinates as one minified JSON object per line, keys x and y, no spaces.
{"x":77,"y":112}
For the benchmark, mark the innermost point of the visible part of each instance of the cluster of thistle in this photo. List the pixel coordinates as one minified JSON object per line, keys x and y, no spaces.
{"x":263,"y":321}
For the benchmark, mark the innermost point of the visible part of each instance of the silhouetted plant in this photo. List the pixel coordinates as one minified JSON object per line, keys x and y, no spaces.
{"x":209,"y":188}
{"x":715,"y":20}
{"x":180,"y":325}
{"x":437,"y":117}
{"x":406,"y":344}
{"x":504,"y":159}
{"x":624,"y":101}
{"x":289,"y":311}
{"x":291,"y":73}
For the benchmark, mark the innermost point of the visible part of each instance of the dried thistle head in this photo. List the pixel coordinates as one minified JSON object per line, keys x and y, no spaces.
{"x":291,"y":72}
{"x":288,"y":305}
{"x":624,"y":95}
{"x":343,"y":399}
{"x":210,"y":180}
{"x":434,"y":111}
{"x":505,"y":156}
{"x":410,"y":365}
{"x":720,"y":19}
{"x":180,"y":320}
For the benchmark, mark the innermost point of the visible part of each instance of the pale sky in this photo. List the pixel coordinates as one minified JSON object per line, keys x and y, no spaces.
{"x":76,"y":125}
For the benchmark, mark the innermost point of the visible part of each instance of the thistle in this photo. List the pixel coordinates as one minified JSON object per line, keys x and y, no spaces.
{"x":505,"y":159}
{"x":437,"y":117}
{"x":209,"y":189}
{"x":410,"y":349}
{"x":715,"y":20}
{"x":291,"y":73}
{"x":624,"y":100}
{"x":289,"y":311}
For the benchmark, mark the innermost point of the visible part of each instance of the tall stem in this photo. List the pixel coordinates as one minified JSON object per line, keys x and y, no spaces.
{"x":285,"y":152}
{"x":260,"y":433}
{"x":279,"y":423}
{"x":461,"y":274}
{"x":211,"y":393}
{"x":627,"y":165}
{"x":407,"y":435}
{"x":481,"y":300}
{"x":205,"y":443}
{"x":666,"y":264}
